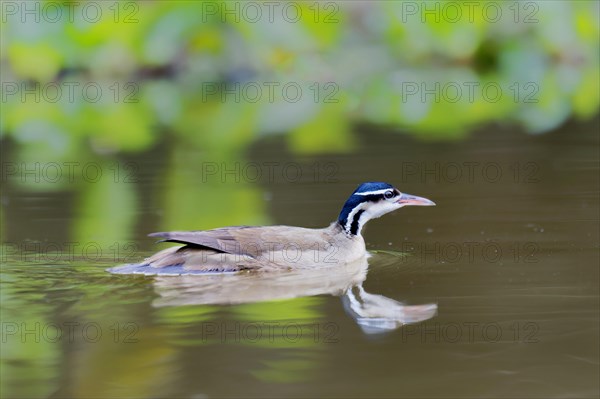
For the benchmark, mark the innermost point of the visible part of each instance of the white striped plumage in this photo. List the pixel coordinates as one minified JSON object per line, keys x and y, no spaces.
{"x":376,"y":192}
{"x":371,"y":210}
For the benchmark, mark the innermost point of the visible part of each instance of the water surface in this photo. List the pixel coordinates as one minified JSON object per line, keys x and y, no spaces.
{"x":509,"y":255}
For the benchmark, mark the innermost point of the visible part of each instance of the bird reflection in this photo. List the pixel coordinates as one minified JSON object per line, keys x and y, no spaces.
{"x":373,"y":313}
{"x":377,"y":313}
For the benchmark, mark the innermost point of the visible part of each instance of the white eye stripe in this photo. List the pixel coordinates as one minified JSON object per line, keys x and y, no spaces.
{"x":374,"y":192}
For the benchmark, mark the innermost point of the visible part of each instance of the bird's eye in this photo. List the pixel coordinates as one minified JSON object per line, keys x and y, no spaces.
{"x":388,"y":194}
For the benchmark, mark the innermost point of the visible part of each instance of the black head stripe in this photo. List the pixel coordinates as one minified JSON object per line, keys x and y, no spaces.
{"x":355,"y":222}
{"x":372,"y":198}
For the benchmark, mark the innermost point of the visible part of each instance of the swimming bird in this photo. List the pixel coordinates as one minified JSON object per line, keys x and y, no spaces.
{"x":239,"y":248}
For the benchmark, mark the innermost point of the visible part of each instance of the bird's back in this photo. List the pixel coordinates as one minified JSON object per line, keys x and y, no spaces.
{"x":236,"y":248}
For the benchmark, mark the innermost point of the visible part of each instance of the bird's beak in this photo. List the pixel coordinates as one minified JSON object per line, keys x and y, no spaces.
{"x":407,"y":199}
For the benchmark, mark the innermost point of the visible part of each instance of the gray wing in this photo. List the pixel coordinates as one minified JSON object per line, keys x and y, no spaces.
{"x":221,"y":240}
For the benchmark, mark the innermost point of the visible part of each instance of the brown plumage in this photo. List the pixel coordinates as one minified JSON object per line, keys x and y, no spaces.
{"x":238,"y":248}
{"x":250,"y":248}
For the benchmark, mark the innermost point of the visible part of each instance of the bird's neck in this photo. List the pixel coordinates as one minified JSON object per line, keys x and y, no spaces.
{"x":352,"y":218}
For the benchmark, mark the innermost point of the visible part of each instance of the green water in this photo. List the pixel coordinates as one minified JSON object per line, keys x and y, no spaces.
{"x":509,"y":255}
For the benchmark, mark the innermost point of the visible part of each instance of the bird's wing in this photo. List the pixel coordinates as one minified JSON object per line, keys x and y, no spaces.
{"x":247,"y":240}
{"x":220,"y":240}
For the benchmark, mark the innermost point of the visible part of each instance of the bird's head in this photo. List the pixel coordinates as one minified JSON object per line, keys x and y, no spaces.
{"x":372,"y":200}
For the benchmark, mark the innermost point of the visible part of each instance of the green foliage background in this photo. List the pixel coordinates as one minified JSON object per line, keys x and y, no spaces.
{"x":159,"y":62}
